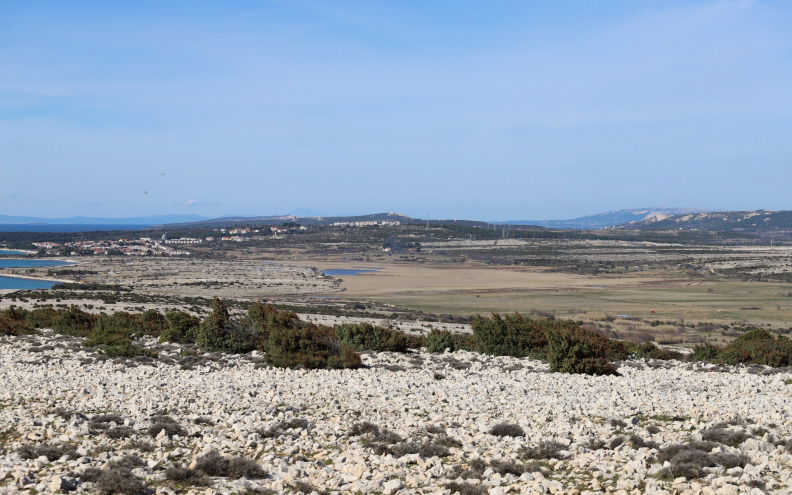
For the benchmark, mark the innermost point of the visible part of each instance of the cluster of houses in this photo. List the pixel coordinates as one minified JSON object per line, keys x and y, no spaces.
{"x":144,"y":246}
{"x":369,"y":223}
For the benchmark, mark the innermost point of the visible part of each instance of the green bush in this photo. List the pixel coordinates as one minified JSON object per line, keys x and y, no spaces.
{"x":309,"y":346}
{"x":263,"y":318}
{"x":465,"y":342}
{"x":182,"y":327}
{"x":219,"y":333}
{"x":368,"y":337}
{"x":437,"y":341}
{"x":153,"y":322}
{"x":114,"y":330}
{"x":705,"y":352}
{"x":74,"y":322}
{"x":514,"y":335}
{"x":758,"y":346}
{"x":648,"y":350}
{"x":13,"y":321}
{"x":41,"y":317}
{"x":572,"y":349}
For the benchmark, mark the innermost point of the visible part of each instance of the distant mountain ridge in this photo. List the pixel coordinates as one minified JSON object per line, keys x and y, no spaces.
{"x":761,"y":222}
{"x":280,"y":219}
{"x":150,"y":220}
{"x":607,"y":219}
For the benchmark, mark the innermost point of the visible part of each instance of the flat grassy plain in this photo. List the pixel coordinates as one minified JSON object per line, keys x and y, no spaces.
{"x":651,"y":295}
{"x":628,"y":303}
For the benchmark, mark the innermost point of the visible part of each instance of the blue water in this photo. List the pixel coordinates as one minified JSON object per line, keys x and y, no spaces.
{"x":24,"y":283}
{"x":11,"y":263}
{"x":345,"y":271}
{"x":4,"y":252}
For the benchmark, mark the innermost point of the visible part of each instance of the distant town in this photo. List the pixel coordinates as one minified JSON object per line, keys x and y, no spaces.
{"x":165,"y":246}
{"x":147,"y":246}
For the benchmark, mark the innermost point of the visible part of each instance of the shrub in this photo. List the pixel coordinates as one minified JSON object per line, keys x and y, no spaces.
{"x":310,"y":346}
{"x":102,"y":421}
{"x":648,"y":350}
{"x":129,"y":462}
{"x":465,"y":342}
{"x":41,"y":317}
{"x":688,"y":463}
{"x":617,"y":441}
{"x":52,"y":453}
{"x":507,"y":430}
{"x":514,"y":335}
{"x":219,"y":333}
{"x":153,"y":322}
{"x":214,"y":464}
{"x":120,"y":432}
{"x":466,"y":489}
{"x":116,"y":332}
{"x":74,"y":322}
{"x":117,"y":329}
{"x":281,"y":427}
{"x":368,"y":337}
{"x":545,"y":450}
{"x":171,"y":429}
{"x":119,"y":480}
{"x":66,"y":414}
{"x":437,"y":341}
{"x":374,"y":433}
{"x":572,"y":349}
{"x":758,"y":346}
{"x":186,"y":476}
{"x":182,"y":328}
{"x":13,"y":322}
{"x":690,"y":459}
{"x":617,"y":423}
{"x":724,"y":436}
{"x":510,"y":467}
{"x":363,"y":428}
{"x":705,"y":352}
{"x":263,"y":318}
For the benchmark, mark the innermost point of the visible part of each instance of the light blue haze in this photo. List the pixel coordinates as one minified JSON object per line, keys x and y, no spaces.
{"x":483,"y":110}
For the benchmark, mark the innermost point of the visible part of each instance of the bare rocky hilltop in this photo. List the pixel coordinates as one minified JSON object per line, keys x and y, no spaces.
{"x":72,"y":419}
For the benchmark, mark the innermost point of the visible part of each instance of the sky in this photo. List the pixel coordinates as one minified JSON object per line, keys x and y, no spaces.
{"x":501,"y":110}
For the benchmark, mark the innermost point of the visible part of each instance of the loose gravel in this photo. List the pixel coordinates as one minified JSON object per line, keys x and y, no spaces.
{"x":74,"y":421}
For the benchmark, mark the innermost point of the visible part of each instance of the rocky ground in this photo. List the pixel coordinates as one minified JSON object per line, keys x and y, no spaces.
{"x":190,"y":277}
{"x":72,"y":420}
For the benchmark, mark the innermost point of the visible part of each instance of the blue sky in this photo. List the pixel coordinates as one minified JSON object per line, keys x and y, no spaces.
{"x":484,"y":110}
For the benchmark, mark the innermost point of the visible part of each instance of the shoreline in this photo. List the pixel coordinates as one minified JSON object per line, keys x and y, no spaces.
{"x":16,"y":251}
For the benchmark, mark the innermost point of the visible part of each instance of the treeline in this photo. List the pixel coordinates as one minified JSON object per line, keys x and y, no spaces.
{"x":289,"y":342}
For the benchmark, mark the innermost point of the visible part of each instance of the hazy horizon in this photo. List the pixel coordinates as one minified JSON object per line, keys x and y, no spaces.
{"x":504,"y":111}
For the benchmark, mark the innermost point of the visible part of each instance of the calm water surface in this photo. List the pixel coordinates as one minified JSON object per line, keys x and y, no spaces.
{"x":24,"y":283}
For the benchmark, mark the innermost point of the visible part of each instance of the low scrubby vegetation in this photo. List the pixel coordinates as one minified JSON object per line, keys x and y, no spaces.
{"x":757,"y":346}
{"x":568,"y":347}
{"x":368,"y":337}
{"x":215,"y":464}
{"x":13,"y":322}
{"x":287,"y":341}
